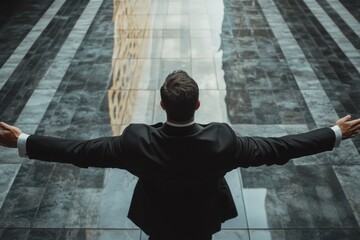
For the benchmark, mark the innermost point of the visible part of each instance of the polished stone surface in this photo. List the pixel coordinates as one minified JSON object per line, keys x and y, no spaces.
{"x":86,"y":69}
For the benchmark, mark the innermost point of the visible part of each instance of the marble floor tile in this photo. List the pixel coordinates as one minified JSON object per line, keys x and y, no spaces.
{"x":222,"y":235}
{"x":317,"y":205}
{"x":117,"y":194}
{"x":69,"y":234}
{"x":203,"y":70}
{"x":86,"y":69}
{"x":348,"y":234}
{"x":8,"y":173}
{"x":235,"y":184}
{"x":7,"y":234}
{"x":347,"y":177}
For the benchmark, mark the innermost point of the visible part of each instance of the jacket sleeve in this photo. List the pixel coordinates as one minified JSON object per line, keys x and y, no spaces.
{"x":255,"y":151}
{"x":100,"y":152}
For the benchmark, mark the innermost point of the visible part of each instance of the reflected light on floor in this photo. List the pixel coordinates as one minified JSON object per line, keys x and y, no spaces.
{"x":129,"y":32}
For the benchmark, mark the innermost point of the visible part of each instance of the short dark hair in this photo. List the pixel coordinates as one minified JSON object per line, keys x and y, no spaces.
{"x":179,"y":94}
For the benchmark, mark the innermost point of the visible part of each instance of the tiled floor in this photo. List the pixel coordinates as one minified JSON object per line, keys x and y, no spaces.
{"x":83,"y":69}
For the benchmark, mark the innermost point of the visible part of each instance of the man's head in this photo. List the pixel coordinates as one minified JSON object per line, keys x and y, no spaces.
{"x":179,"y":96}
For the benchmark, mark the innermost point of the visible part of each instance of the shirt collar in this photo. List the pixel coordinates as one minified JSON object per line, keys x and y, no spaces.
{"x":180,"y":124}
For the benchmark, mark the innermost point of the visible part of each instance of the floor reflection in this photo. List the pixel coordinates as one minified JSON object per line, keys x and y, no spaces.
{"x":153,"y":38}
{"x":130,"y":30}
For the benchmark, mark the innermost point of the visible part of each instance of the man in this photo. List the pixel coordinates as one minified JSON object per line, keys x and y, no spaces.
{"x":181,"y":192}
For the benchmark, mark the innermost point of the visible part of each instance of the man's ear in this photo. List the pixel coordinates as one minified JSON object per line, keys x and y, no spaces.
{"x":162,"y":104}
{"x":197,"y":105}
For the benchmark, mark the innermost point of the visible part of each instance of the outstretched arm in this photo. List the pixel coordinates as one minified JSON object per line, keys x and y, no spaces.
{"x":100,"y":152}
{"x":255,"y":151}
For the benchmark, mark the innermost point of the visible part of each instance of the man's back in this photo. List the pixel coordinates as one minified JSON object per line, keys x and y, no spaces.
{"x":181,"y":170}
{"x":162,"y":150}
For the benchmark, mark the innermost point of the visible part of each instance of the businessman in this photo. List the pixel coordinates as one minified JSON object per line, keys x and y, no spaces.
{"x":181,"y":191}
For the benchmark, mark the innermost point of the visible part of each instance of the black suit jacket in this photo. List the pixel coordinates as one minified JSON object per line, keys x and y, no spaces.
{"x":181,"y":186}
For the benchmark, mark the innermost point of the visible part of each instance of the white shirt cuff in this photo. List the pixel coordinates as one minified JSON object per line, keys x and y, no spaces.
{"x":338,"y":135}
{"x":21,"y":144}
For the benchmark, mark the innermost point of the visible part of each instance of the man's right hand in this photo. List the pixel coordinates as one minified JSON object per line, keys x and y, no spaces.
{"x":9,"y":135}
{"x":349,"y":128}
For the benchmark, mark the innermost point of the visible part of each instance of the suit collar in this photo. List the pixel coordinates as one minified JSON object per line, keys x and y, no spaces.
{"x":179,"y":125}
{"x":180,"y":130}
